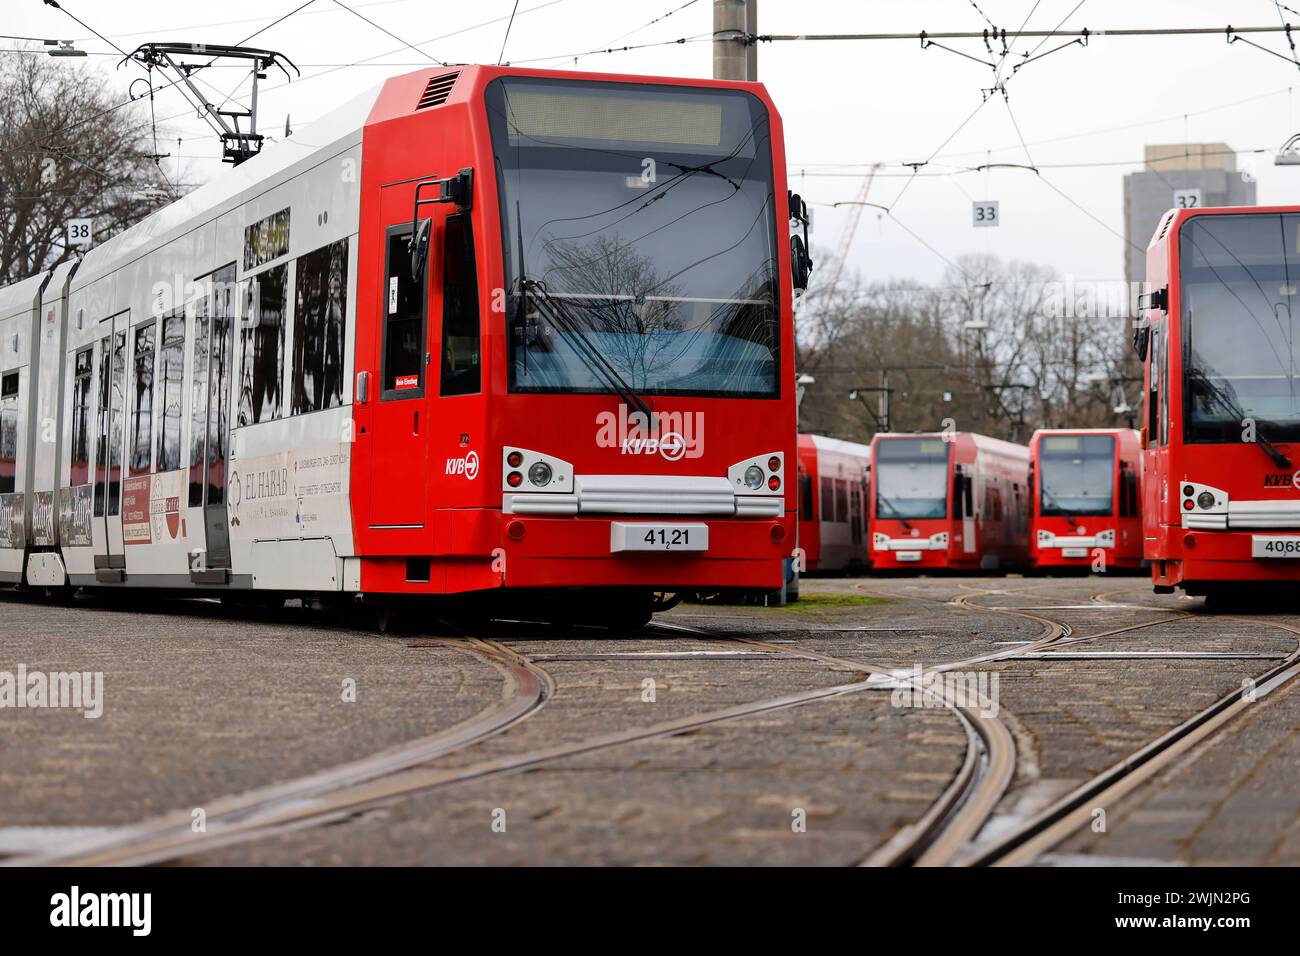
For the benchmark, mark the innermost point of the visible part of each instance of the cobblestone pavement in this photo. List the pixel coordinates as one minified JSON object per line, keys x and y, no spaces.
{"x":200,"y":703}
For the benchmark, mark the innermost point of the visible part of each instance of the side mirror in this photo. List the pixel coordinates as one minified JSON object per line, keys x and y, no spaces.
{"x":1142,"y":341}
{"x":800,"y":261}
{"x":458,"y":189}
{"x":800,"y":265}
{"x":420,"y":247}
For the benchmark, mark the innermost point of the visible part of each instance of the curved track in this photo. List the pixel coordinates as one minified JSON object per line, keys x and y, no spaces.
{"x":1074,"y":810}
{"x":947,"y":833}
{"x":235,"y":817}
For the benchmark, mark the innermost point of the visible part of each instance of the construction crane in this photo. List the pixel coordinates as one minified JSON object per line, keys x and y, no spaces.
{"x":851,"y":227}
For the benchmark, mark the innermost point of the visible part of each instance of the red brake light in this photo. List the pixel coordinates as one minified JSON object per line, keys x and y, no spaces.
{"x":774,"y":482}
{"x":515,"y":459}
{"x":514,"y":479}
{"x":774,"y":464}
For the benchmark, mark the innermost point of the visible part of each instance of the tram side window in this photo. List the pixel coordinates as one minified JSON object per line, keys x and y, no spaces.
{"x":1153,"y":387}
{"x":806,"y":512}
{"x":828,"y":499}
{"x":221,"y":357}
{"x":171,"y":384}
{"x":8,"y":432}
{"x":101,"y":429}
{"x":1128,"y":493}
{"x":261,"y":340}
{"x":460,"y":318}
{"x":319,"y":316}
{"x":404,"y":320}
{"x":117,"y":422}
{"x":198,"y":403}
{"x":1164,"y":389}
{"x":79,"y":443}
{"x":142,"y":418}
{"x":841,"y":500}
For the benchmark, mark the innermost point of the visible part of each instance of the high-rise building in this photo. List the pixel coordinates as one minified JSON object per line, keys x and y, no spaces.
{"x":1178,"y":174}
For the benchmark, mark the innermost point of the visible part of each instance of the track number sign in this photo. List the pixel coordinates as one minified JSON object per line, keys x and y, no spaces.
{"x":1187,"y":198}
{"x":80,"y":232}
{"x":984,"y":213}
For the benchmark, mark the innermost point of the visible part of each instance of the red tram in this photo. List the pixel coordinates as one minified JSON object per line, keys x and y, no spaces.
{"x":1085,"y":499}
{"x":951,"y":500}
{"x":1221,"y":432}
{"x":480,"y":328}
{"x":834,"y":484}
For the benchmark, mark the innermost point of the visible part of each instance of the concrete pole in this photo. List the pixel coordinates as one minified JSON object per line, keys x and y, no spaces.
{"x":735,"y":59}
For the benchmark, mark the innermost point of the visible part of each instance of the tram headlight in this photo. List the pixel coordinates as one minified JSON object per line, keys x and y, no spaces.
{"x":1205,"y":500}
{"x":529,"y":472}
{"x":754,"y":477}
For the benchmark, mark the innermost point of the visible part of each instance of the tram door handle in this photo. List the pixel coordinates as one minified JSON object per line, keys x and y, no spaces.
{"x":415,"y":423}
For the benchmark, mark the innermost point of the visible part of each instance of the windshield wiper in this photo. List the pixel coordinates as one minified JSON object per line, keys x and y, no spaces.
{"x":1229,"y":404}
{"x":882,"y":500}
{"x":1057,"y":505}
{"x":582,"y":346}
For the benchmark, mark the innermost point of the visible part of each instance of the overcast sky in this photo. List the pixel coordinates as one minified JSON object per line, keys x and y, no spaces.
{"x":844,"y":103}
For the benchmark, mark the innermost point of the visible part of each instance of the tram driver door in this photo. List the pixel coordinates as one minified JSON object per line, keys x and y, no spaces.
{"x":400,"y":417}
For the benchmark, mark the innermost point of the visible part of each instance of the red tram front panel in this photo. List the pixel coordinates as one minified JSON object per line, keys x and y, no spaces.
{"x":592,"y":382}
{"x":1085,"y":491}
{"x":834,"y":484}
{"x":1221,"y":429}
{"x":949,"y":501}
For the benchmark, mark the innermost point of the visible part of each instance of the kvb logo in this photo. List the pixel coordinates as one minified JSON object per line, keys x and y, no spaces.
{"x":670,"y":445}
{"x":671,"y":435}
{"x":467,"y":466}
{"x":1281,"y":479}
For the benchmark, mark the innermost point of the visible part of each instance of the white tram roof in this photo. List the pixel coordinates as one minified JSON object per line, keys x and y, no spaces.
{"x":276,"y":163}
{"x":981,"y":442}
{"x":825,"y":443}
{"x":21,"y":296}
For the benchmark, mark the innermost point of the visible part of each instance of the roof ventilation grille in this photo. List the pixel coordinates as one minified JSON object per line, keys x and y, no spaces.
{"x":437,"y":90}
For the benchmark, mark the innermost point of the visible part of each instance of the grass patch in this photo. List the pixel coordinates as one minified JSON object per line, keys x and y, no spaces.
{"x":826,"y":601}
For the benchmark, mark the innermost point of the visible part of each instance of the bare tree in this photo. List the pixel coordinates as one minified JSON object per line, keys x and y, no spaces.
{"x":987,"y":349}
{"x":68,"y":149}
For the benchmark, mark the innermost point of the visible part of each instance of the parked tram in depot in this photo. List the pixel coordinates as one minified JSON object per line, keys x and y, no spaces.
{"x":1221,"y":431}
{"x":834,"y":485}
{"x":479,"y":329}
{"x":1085,"y":499}
{"x":948,"y":501}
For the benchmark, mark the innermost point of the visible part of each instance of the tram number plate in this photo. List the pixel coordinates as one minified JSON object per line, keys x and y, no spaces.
{"x":1074,"y":552}
{"x":907,"y":555}
{"x":625,"y":536}
{"x":1275,"y":546}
